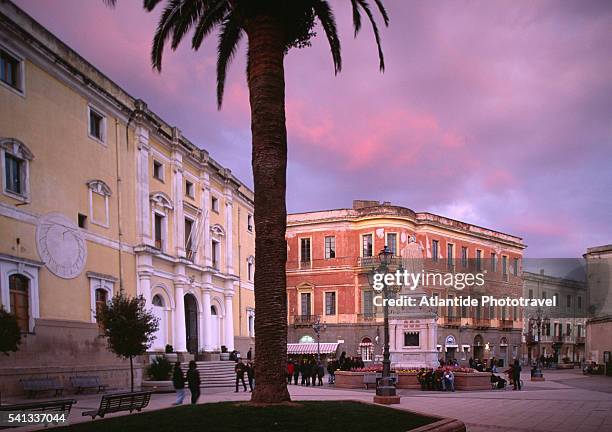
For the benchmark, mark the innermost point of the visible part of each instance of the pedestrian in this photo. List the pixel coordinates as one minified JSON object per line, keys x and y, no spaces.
{"x":250,"y":371}
{"x":448,"y":380}
{"x":178,"y":380}
{"x":320,"y":372}
{"x":193,"y":381}
{"x":240,"y":369}
{"x":314,"y":370}
{"x":471,"y":362}
{"x":296,"y":372}
{"x":516,"y":374}
{"x":249,"y":354}
{"x":290,"y":369}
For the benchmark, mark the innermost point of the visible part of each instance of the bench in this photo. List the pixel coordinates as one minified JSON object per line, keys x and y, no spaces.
{"x":116,"y":402}
{"x":83,"y":382}
{"x":369,"y":379}
{"x":62,"y":406}
{"x":35,"y":385}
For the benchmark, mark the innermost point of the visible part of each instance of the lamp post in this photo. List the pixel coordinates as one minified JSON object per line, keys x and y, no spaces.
{"x":537,"y":322}
{"x":385,"y":387}
{"x":317,"y":327}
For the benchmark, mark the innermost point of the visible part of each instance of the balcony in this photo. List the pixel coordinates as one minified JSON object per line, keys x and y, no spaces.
{"x":304,"y":320}
{"x":374,"y":261}
{"x":580,"y":340}
{"x":506,"y":323}
{"x":482,"y":322}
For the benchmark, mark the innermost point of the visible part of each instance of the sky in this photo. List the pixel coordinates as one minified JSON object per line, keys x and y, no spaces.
{"x":496,"y":113}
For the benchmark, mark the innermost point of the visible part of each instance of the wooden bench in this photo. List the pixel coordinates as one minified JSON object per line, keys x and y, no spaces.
{"x":84,"y":382}
{"x":117,"y":402}
{"x":61,"y":406}
{"x":35,"y":385}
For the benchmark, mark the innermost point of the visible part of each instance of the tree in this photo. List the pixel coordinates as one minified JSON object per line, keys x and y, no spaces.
{"x":128,"y":326}
{"x":10,"y":334}
{"x":272,"y":28}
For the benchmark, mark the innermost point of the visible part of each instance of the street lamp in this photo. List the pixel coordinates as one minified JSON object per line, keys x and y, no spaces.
{"x":385,"y":387}
{"x":317,"y":327}
{"x":537,"y":323}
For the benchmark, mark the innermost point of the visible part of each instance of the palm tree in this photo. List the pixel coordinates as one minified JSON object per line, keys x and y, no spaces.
{"x":272,"y":27}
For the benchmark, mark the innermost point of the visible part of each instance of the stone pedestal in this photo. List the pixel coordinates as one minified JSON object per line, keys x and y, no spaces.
{"x":421,"y":351}
{"x":387,"y":400}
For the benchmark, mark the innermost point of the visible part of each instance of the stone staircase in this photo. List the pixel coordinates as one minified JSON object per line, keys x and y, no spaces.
{"x":215,"y":373}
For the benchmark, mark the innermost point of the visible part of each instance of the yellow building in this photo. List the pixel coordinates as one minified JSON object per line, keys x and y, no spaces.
{"x":100,"y":195}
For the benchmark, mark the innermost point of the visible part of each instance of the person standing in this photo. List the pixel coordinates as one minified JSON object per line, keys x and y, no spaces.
{"x":320,"y":372}
{"x":250,"y":371}
{"x":296,"y":372}
{"x":249,"y":354}
{"x":178,"y":380}
{"x":516,"y":374}
{"x":290,"y":368}
{"x":193,"y":381}
{"x":240,"y":369}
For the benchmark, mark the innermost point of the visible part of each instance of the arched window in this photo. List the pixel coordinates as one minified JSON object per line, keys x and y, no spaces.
{"x":101,"y":300}
{"x":20,"y":301}
{"x":366,"y":347}
{"x":158,"y":301}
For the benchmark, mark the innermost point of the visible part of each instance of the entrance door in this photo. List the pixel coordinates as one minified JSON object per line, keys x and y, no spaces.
{"x":214,"y":328}
{"x":191,"y":323}
{"x":450,"y":354}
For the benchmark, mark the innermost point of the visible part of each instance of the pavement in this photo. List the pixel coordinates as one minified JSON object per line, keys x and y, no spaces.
{"x":566,"y":401}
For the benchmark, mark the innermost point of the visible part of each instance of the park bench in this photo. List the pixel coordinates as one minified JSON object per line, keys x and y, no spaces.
{"x":83,"y":382}
{"x":35,"y":385}
{"x":116,"y":402}
{"x":61,"y":406}
{"x":369,"y":379}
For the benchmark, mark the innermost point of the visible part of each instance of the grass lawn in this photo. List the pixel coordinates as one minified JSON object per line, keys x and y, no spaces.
{"x":232,"y":416}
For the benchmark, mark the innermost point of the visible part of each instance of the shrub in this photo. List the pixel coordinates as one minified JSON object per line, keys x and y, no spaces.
{"x":10,"y":335}
{"x":159,"y":369}
{"x":169,"y":349}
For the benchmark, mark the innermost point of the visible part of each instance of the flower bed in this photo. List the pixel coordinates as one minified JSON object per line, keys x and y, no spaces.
{"x":350,"y":379}
{"x":472,"y":381}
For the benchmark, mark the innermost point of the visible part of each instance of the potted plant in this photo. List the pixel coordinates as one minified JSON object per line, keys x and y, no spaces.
{"x":224,"y":354}
{"x":170,"y":354}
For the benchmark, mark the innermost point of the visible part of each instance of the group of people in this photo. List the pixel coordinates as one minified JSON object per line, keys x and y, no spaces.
{"x":311,"y":371}
{"x":192,"y":379}
{"x":547,"y":361}
{"x":241,"y":369}
{"x":442,"y":379}
{"x":514,"y":376}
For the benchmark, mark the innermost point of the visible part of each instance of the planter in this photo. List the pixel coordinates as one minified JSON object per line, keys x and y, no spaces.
{"x":224,"y":356}
{"x":408,"y":380}
{"x":348,"y":379}
{"x":171,"y":357}
{"x":472,"y":381}
{"x":158,"y":386}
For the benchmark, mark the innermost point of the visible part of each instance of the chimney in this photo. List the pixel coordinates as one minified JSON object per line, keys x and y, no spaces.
{"x":359,"y":204}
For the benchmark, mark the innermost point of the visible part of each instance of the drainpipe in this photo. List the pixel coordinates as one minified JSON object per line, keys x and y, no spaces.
{"x":118,"y":172}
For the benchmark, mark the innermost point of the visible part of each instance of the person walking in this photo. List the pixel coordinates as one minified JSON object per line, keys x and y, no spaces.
{"x":250,"y":371}
{"x":516,"y":374}
{"x":178,"y":380}
{"x":240,"y":370}
{"x":296,"y":372}
{"x":320,"y":372}
{"x":193,"y":381}
{"x":249,"y":354}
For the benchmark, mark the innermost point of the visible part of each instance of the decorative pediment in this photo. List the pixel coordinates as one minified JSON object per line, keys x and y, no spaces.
{"x":305,"y":286}
{"x":16,"y":148}
{"x":162,"y":200}
{"x":98,"y":186}
{"x":217,"y":230}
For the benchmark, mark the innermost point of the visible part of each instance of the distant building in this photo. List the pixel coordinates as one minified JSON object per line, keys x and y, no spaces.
{"x":564,"y":337}
{"x":599,"y":326}
{"x":326,"y":278}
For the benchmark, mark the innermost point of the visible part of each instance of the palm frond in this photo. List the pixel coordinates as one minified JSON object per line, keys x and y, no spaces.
{"x":167,"y":22}
{"x":366,"y":7}
{"x":383,"y":11}
{"x":229,"y":37}
{"x":211,"y":17}
{"x":356,"y":17}
{"x":188,"y":15}
{"x":326,"y":17}
{"x":149,"y":5}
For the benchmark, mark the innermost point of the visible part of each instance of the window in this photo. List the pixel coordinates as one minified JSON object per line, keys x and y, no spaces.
{"x":568,"y":329}
{"x":544,"y":295}
{"x":250,"y":222}
{"x":251,"y":322}
{"x":366,"y":347}
{"x":330,"y":303}
{"x":579,"y":330}
{"x":411,"y":339}
{"x":568,"y":301}
{"x":392,"y":242}
{"x":101,"y":291}
{"x":82,"y":220}
{"x":189,"y":238}
{"x":367,"y":247}
{"x":97,"y":124}
{"x":99,"y":198}
{"x":250,"y":264}
{"x":13,"y":168}
{"x":19,"y":300}
{"x":101,"y":300}
{"x":15,"y":160}
{"x":215,"y":253}
{"x":11,"y":70}
{"x":368,"y":303}
{"x":189,"y":189}
{"x":450,"y":255}
{"x":478,"y":260}
{"x":159,"y":231}
{"x":158,"y":170}
{"x":530,"y":293}
{"x":493,"y":262}
{"x":464,"y":256}
{"x":516,"y":266}
{"x":556,"y":299}
{"x":305,"y":306}
{"x":158,"y":301}
{"x":330,"y":247}
{"x":435,"y":251}
{"x":505,"y":266}
{"x":305,"y":250}
{"x":450,"y":309}
{"x":214,"y":204}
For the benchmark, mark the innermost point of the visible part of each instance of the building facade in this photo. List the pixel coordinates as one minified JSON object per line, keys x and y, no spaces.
{"x":599,"y":326}
{"x":326,"y":279}
{"x":100,"y":196}
{"x":565,"y":336}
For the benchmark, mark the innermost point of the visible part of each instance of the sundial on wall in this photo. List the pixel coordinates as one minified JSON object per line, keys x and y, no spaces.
{"x":61,"y":245}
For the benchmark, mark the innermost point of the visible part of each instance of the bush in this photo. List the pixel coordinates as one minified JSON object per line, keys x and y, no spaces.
{"x":169,"y":349}
{"x":159,"y":369}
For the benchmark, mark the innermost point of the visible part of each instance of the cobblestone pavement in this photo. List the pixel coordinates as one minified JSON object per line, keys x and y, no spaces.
{"x":566,"y":401}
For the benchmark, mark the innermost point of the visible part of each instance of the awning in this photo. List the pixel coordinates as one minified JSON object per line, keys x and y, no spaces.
{"x":311,"y":348}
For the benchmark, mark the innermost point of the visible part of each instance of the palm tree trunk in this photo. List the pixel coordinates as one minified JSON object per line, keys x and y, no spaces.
{"x":266,"y":82}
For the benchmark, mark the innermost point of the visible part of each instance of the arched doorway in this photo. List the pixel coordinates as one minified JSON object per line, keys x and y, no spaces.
{"x":366,"y":348}
{"x":450,"y":348}
{"x":214,"y":328}
{"x":159,"y":311}
{"x":191,"y":323}
{"x":478,"y":347}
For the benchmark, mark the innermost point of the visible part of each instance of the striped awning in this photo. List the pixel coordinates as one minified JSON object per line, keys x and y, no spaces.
{"x":311,"y":348}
